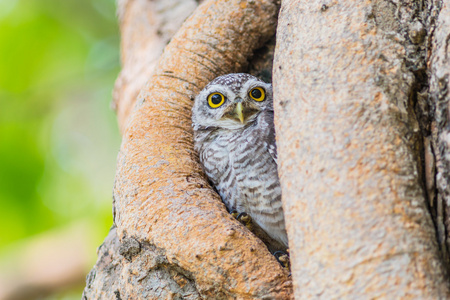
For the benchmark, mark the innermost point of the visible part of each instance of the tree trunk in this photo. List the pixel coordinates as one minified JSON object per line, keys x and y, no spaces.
{"x":175,"y":237}
{"x":361,"y":110}
{"x":350,"y":151}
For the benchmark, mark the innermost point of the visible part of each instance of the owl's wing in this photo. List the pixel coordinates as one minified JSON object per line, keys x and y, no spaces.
{"x":272,"y":147}
{"x":269,"y":131}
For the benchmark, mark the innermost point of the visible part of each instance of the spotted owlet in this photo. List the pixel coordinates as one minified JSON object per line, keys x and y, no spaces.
{"x":234,"y":135}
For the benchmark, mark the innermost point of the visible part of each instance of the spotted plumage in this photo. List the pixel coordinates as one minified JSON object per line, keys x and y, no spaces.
{"x":235,"y":138}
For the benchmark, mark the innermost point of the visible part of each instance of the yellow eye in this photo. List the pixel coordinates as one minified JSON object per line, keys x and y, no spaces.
{"x":257,"y":94}
{"x":215,"y":100}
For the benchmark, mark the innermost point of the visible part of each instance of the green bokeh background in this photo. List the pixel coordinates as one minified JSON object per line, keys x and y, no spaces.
{"x":58,"y":135}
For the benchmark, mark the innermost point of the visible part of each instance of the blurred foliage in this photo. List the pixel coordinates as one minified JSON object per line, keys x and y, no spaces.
{"x":58,"y":136}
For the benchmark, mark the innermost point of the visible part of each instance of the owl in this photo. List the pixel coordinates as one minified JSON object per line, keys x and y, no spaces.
{"x":234,"y":135}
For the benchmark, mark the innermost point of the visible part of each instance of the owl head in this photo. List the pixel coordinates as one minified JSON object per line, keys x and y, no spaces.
{"x":231,"y":101}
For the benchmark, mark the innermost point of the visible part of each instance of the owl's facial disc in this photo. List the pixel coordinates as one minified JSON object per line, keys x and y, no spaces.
{"x":240,"y":111}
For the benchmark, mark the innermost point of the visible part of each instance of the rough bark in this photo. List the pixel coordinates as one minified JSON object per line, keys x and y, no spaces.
{"x":438,"y":142}
{"x":346,"y":78}
{"x":176,"y":237}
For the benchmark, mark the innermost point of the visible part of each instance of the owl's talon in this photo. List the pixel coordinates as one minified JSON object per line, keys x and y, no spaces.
{"x":245,"y":219}
{"x":234,"y":213}
{"x":283,"y":259}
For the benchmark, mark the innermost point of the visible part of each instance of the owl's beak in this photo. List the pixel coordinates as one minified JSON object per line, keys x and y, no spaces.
{"x":239,"y":110}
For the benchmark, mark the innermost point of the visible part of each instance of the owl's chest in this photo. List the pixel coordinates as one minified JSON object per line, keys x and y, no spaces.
{"x":229,"y":153}
{"x":234,"y":162}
